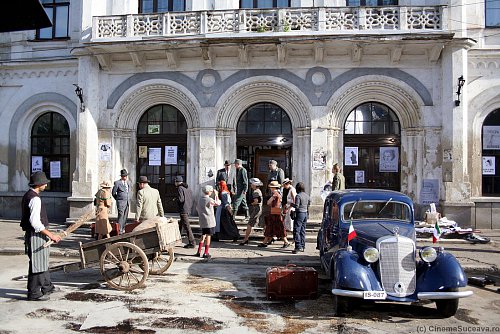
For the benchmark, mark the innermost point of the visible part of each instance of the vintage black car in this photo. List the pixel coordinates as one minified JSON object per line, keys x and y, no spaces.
{"x":383,"y":262}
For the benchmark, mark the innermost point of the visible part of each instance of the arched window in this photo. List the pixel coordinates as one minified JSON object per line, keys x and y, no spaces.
{"x":264,"y":118}
{"x":372,"y":119}
{"x":50,"y":150}
{"x":264,"y":132}
{"x":491,"y":154}
{"x":162,"y":119}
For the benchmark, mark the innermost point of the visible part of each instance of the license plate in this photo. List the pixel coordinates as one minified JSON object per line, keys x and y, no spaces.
{"x":374,"y":295}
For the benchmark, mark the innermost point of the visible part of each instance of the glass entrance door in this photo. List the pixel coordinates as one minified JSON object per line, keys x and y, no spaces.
{"x":161,"y":147}
{"x":161,"y":172}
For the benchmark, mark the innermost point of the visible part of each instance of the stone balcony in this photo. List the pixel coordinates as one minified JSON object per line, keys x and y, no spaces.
{"x":289,"y":21}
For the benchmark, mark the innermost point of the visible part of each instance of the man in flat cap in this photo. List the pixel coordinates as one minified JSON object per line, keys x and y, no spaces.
{"x":35,"y":223}
{"x":121,"y":194}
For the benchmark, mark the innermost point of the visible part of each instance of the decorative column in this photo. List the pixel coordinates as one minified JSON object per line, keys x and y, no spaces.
{"x":226,"y":146}
{"x":457,"y":189}
{"x":86,"y":178}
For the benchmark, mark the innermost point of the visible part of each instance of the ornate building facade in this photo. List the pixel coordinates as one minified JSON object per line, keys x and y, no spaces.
{"x":177,"y":87}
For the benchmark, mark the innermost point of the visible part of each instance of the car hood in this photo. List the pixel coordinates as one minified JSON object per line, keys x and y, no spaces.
{"x":368,"y":233}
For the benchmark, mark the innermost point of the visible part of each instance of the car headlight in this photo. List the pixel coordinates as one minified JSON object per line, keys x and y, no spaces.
{"x":428,"y":254}
{"x":371,"y":255}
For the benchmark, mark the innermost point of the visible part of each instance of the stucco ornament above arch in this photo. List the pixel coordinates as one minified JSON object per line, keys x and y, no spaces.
{"x":390,"y":94}
{"x":136,"y":103}
{"x":247,"y":95}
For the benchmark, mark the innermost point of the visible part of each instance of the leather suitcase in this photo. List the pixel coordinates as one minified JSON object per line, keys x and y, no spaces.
{"x":115,"y":230}
{"x":130,"y":226}
{"x":291,"y":282}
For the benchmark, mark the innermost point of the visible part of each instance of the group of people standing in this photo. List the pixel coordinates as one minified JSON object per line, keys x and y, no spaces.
{"x":287,"y":205}
{"x":149,"y":203}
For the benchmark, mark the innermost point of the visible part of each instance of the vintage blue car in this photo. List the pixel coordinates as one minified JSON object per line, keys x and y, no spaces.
{"x":382,"y":262}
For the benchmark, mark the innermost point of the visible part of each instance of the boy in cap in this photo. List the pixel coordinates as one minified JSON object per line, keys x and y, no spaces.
{"x":255,"y":208}
{"x":34,"y":222}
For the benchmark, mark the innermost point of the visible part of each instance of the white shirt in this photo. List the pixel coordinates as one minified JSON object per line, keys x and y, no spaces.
{"x":35,"y":206}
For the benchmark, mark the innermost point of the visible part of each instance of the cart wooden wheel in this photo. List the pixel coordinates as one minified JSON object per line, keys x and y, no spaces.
{"x":124,"y":266}
{"x":160,"y":261}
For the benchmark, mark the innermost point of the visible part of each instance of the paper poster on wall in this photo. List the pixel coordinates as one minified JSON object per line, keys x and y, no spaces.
{"x":491,"y":137}
{"x":489,"y":166}
{"x":153,"y":129}
{"x":389,"y":159}
{"x":55,"y":169}
{"x":154,"y":156}
{"x":36,"y":164}
{"x":430,"y":191}
{"x":319,"y":160}
{"x":359,"y":176}
{"x":105,"y":151}
{"x":143,"y":152}
{"x":170,"y":155}
{"x":351,"y":156}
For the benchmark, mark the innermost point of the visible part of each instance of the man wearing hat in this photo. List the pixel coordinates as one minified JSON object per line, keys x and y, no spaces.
{"x":241,"y":188}
{"x":148,"y":201}
{"x":34,"y":222}
{"x":226,"y":174}
{"x":121,"y":194}
{"x":103,"y":203}
{"x":184,"y":198}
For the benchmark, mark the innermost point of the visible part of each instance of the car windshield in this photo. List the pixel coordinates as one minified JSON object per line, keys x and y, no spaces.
{"x":367,"y":210}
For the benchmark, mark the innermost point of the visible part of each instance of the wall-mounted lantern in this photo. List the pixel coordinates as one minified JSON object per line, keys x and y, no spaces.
{"x":461,"y":82}
{"x":79,"y":93}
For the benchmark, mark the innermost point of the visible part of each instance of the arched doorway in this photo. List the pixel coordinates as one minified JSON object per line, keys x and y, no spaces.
{"x":264,"y":132}
{"x":491,"y":154}
{"x":372,"y":143}
{"x":50,"y":150}
{"x":161,"y":147}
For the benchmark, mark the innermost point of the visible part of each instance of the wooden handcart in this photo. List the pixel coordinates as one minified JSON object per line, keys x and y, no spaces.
{"x":126,"y":260}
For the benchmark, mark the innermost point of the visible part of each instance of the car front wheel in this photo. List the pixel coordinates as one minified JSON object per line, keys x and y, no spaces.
{"x":340,"y":303}
{"x":447,"y":307}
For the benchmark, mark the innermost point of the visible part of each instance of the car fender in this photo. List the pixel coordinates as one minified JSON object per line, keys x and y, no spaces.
{"x":443,"y":273}
{"x":350,"y":272}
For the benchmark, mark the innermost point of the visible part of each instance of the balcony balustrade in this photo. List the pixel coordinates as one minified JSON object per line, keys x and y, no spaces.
{"x":326,"y":20}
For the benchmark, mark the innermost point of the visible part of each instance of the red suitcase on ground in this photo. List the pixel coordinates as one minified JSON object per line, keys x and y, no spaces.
{"x":291,"y":282}
{"x":115,"y":230}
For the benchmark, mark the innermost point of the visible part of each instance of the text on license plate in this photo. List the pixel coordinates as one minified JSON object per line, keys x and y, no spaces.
{"x":374,"y":295}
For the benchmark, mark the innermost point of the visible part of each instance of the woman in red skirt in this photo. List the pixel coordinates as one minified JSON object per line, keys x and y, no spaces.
{"x":274,"y":221}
